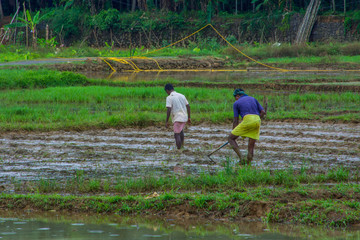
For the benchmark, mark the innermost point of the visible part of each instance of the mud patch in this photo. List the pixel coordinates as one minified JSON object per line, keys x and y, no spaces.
{"x":143,"y":64}
{"x":137,"y":152}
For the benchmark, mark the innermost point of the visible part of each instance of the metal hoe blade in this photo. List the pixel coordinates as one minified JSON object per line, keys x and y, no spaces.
{"x":216,"y":151}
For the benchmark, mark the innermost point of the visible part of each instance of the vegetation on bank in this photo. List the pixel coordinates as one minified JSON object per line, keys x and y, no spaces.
{"x":335,"y":53}
{"x":50,"y":100}
{"x":282,"y":196}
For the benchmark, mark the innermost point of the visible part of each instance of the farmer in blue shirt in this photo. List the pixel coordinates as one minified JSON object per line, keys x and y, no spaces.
{"x":250,"y":111}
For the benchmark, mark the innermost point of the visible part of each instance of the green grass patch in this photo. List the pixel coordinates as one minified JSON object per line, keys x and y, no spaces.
{"x":282,"y":196}
{"x":51,"y":100}
{"x":56,"y":108}
{"x":21,"y":78}
{"x":235,"y":180}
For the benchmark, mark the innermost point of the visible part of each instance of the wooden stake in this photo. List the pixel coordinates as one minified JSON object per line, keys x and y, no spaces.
{"x":47,"y":32}
{"x":26,"y":28}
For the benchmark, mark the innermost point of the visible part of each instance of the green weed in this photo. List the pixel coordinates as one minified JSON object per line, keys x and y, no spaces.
{"x":340,"y":174}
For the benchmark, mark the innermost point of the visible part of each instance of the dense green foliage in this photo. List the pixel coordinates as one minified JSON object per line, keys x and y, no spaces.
{"x":206,"y":6}
{"x":155,"y":23}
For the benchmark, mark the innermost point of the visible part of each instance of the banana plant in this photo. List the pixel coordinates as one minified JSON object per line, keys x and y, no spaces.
{"x":31,"y":22}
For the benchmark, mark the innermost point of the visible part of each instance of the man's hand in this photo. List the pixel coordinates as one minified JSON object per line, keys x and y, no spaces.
{"x":189,"y":121}
{"x":264,"y":112}
{"x":168,"y":112}
{"x":262,"y":115}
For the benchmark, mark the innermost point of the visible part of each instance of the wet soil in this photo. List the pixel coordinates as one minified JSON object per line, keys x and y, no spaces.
{"x":128,"y":64}
{"x":136,"y":152}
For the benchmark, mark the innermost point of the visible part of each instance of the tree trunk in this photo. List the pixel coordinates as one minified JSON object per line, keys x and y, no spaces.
{"x":142,"y":5}
{"x":111,"y":39}
{"x":333,"y":5}
{"x":34,"y":38}
{"x":307,"y":23}
{"x":133,"y":5}
{"x":1,"y":11}
{"x":47,"y":32}
{"x":344,"y":7}
{"x":92,"y":7}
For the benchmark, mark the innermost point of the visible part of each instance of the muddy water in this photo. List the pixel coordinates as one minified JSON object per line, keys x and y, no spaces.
{"x":92,"y":228}
{"x":136,"y":152}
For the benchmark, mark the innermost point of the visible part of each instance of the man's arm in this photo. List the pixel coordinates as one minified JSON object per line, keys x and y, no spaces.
{"x":188,"y":113}
{"x":262,"y":114}
{"x":168,"y":112}
{"x":235,"y":122}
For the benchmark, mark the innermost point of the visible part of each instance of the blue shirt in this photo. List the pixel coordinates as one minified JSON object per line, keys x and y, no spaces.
{"x":246,"y":105}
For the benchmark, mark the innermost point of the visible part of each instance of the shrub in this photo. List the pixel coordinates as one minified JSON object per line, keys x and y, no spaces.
{"x":69,"y":23}
{"x":351,"y":49}
{"x":107,"y":19}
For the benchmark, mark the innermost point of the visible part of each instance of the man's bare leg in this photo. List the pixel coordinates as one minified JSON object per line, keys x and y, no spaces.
{"x":232,"y":140}
{"x":177,"y":140}
{"x":182,"y":138}
{"x":251,"y":147}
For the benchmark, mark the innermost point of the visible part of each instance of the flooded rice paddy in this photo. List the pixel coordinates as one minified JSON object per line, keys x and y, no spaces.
{"x":228,"y":76}
{"x":91,"y":227}
{"x":137,"y":152}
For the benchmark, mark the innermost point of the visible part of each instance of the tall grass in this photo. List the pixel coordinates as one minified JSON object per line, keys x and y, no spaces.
{"x":104,"y":106}
{"x":42,"y":78}
{"x":51,"y":100}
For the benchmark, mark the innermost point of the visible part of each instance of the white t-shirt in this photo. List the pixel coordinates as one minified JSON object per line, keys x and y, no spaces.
{"x":178,"y":103}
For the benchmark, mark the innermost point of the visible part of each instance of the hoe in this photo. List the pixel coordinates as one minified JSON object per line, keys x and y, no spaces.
{"x":216,"y":151}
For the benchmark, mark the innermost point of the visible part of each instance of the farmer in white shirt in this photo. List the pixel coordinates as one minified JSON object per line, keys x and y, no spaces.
{"x":179,"y":108}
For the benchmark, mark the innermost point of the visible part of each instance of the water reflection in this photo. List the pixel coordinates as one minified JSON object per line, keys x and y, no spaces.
{"x":116,"y":228}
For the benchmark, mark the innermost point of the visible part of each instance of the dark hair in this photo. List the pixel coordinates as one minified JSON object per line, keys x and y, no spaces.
{"x":239,"y":92}
{"x":169,"y":87}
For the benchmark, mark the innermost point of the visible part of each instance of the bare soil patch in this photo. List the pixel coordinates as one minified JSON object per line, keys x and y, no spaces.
{"x":92,"y":64}
{"x":136,"y":152}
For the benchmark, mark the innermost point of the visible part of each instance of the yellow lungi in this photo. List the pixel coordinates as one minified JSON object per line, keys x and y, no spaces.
{"x":249,"y":127}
